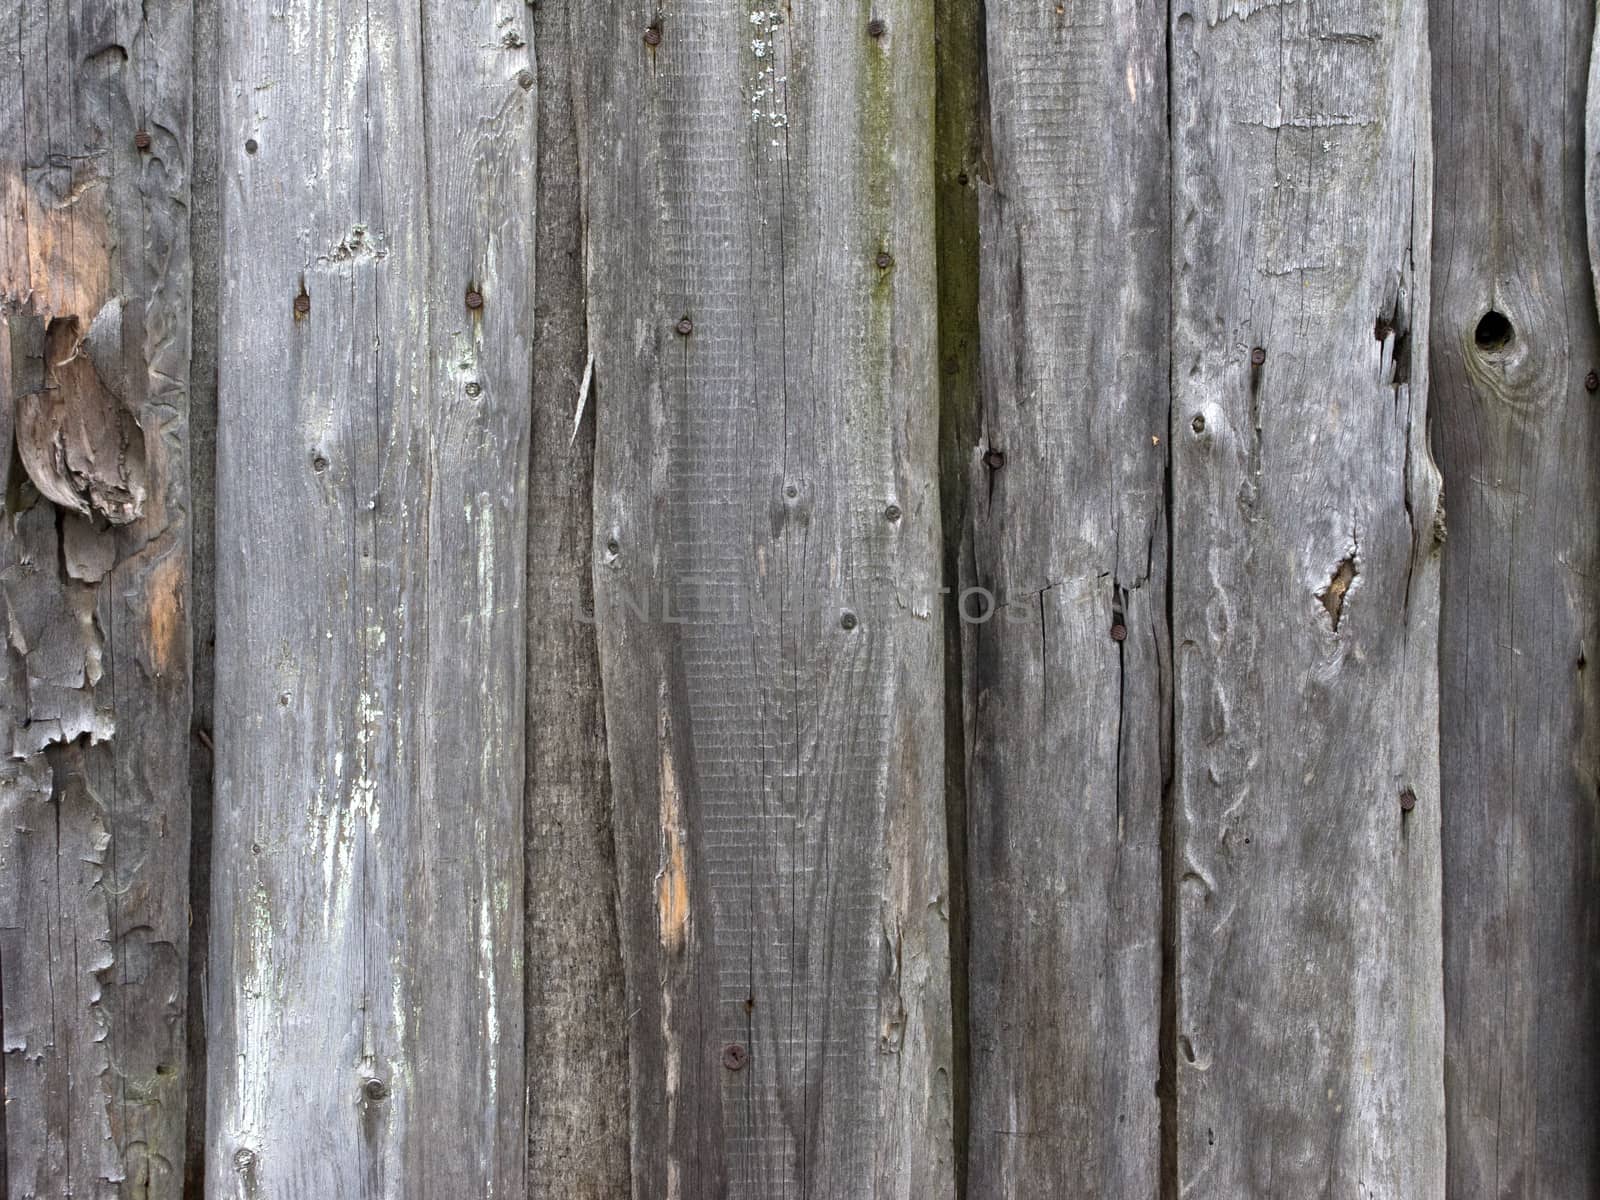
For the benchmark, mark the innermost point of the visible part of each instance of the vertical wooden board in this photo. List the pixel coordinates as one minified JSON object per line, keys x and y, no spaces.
{"x":366,"y":974}
{"x":94,"y":595}
{"x":577,"y":1032}
{"x":1304,"y":582}
{"x":1517,"y":433}
{"x":766,"y":565}
{"x":1070,"y":668}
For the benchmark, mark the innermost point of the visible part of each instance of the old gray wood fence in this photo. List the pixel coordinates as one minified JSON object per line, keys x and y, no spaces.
{"x":899,"y":599}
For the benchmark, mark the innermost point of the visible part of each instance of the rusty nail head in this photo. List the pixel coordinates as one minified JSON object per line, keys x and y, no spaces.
{"x":474,"y":389}
{"x":474,"y":299}
{"x":1408,"y":800}
{"x":995,"y":459}
{"x":734,"y":1056}
{"x":1257,"y":356}
{"x":525,"y":79}
{"x":1591,"y":382}
{"x":892,"y":513}
{"x":142,"y":139}
{"x":685,"y":326}
{"x":244,"y":1158}
{"x":876,"y":27}
{"x":847,"y":621}
{"x":302,"y":304}
{"x":375,"y":1089}
{"x":1119,"y":632}
{"x":250,"y":146}
{"x":885,"y":260}
{"x":652,"y":36}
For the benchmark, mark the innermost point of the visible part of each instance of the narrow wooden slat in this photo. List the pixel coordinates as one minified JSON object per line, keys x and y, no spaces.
{"x":773,"y":718}
{"x":366,"y":975}
{"x":94,"y":596}
{"x":1069,"y":672}
{"x":1518,"y":433}
{"x":1304,"y":581}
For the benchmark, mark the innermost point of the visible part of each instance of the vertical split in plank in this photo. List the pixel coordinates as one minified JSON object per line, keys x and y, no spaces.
{"x":761,"y":315}
{"x":577,"y":1032}
{"x":377,"y":316}
{"x":1304,"y":604}
{"x":1518,"y":434}
{"x":1070,"y":672}
{"x":94,"y":596}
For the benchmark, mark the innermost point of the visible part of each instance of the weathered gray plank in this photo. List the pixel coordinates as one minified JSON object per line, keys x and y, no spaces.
{"x":366,"y":977}
{"x":1517,"y":435}
{"x":1304,"y":586}
{"x":773,"y":721}
{"x":577,"y":1028}
{"x":94,"y":828}
{"x":1070,"y":673}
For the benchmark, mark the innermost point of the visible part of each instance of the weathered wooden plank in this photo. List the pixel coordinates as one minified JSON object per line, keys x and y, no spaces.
{"x":366,"y":977}
{"x":1070,"y":670}
{"x":94,"y":827}
{"x":761,"y":315}
{"x":1304,"y":582}
{"x":1514,"y":339}
{"x":577,"y":1029}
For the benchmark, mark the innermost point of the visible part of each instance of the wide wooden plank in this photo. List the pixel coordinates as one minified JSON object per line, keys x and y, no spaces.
{"x":1068,"y":648}
{"x":1304,"y":583}
{"x":1517,"y":429}
{"x":761,"y":315}
{"x":577,"y":1037}
{"x":94,"y":596}
{"x":376,"y":323}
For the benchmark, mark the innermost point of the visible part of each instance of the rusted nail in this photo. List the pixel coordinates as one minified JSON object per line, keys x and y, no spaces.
{"x":474,"y":299}
{"x":734,"y":1056}
{"x":1591,"y":382}
{"x":995,"y":459}
{"x":525,"y":79}
{"x":1119,"y":632}
{"x":877,"y":27}
{"x":319,"y":464}
{"x":892,"y":513}
{"x":962,"y":179}
{"x":1408,"y":800}
{"x":244,"y":1159}
{"x":302,"y":304}
{"x":1257,"y":356}
{"x":142,"y":139}
{"x":375,"y":1089}
{"x":685,"y":326}
{"x":847,"y":621}
{"x":885,"y":260}
{"x":474,"y":389}
{"x":652,"y":36}
{"x":250,"y":146}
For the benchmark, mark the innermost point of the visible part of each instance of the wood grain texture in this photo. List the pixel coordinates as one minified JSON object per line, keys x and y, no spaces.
{"x":1304,"y":586}
{"x":769,"y":627}
{"x":577,"y":1028}
{"x":94,"y":595}
{"x":1518,"y":433}
{"x":366,"y":973}
{"x":1070,"y":672}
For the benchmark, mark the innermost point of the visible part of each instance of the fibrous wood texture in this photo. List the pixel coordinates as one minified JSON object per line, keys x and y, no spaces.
{"x":1304,"y":605}
{"x":377,"y":316}
{"x":1517,"y":429}
{"x":94,"y":595}
{"x":1067,"y":626}
{"x":761,"y":317}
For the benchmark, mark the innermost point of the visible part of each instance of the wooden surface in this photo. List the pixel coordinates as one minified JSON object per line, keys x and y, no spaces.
{"x":94,"y":587}
{"x":366,"y":967}
{"x":771,"y":710}
{"x":1304,"y":606}
{"x":1518,"y":432}
{"x":1069,"y":727}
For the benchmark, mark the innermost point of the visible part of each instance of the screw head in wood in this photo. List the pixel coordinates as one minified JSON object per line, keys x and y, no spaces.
{"x":885,"y":260}
{"x":685,"y":326}
{"x":734,"y":1056}
{"x":1257,"y":356}
{"x":474,"y":299}
{"x":652,"y":36}
{"x":142,"y":139}
{"x":1591,"y":382}
{"x":1408,"y":800}
{"x":877,"y":27}
{"x":302,"y":304}
{"x":994,"y":460}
